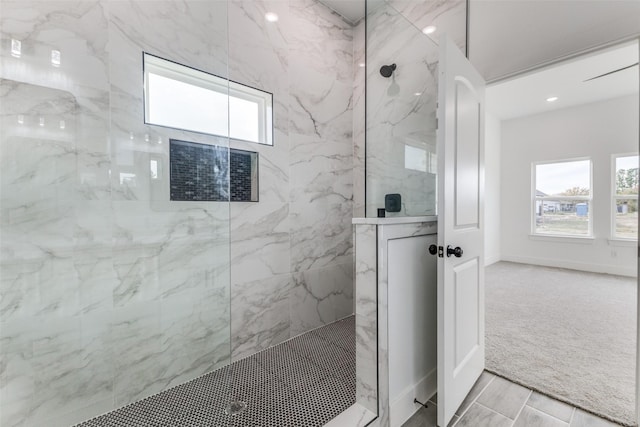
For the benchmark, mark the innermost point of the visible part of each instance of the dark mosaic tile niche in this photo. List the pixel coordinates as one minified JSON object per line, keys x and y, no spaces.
{"x":201,"y":172}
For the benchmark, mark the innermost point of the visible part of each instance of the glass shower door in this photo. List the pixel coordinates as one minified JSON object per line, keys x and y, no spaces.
{"x":111,"y":289}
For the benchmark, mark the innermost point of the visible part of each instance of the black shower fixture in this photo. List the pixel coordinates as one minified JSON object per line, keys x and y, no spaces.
{"x":387,"y":70}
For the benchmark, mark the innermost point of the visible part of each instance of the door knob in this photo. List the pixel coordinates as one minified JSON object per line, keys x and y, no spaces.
{"x":457,"y":251}
{"x":433,"y":249}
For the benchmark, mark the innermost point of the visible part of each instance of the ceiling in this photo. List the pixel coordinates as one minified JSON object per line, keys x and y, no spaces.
{"x":509,"y":36}
{"x":527,"y":95}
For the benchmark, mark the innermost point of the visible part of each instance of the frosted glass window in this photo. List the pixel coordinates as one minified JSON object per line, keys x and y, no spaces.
{"x":181,"y":97}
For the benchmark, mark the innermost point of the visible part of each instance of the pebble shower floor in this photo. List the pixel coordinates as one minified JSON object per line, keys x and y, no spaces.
{"x":303,"y":382}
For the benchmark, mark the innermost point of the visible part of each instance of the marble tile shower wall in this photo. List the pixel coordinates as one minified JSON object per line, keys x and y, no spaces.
{"x":401,"y":111}
{"x":291,"y":254}
{"x":110,"y":292}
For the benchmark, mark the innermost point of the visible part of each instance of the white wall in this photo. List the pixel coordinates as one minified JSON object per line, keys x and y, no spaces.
{"x":594,"y":130}
{"x":492,"y":208}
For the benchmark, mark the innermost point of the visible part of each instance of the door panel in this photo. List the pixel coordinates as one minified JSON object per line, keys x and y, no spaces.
{"x":460,"y":224}
{"x":467,"y":322}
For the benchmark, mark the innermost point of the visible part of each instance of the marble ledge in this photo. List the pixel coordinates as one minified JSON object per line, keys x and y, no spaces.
{"x":354,"y":416}
{"x":395,"y":220}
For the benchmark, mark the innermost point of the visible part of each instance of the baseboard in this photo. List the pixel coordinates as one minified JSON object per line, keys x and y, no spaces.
{"x":572,"y":265}
{"x":403,"y":407}
{"x":491,"y":260}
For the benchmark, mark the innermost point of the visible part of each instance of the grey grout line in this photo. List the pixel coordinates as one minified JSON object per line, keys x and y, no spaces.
{"x":549,"y":415}
{"x":522,"y":408}
{"x":494,"y":411}
{"x":476,"y":398}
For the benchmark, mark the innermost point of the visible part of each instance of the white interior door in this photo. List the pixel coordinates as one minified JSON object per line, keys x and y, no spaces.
{"x":460,"y":225}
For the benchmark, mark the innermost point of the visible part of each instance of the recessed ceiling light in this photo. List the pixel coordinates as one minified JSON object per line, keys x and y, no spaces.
{"x":430,"y":29}
{"x":271,"y":17}
{"x":552,"y":99}
{"x":418,"y":93}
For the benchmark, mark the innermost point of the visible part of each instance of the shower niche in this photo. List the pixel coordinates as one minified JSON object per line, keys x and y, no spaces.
{"x":202,"y":172}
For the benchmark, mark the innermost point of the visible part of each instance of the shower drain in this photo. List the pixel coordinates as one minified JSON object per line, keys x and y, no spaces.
{"x":236,"y":407}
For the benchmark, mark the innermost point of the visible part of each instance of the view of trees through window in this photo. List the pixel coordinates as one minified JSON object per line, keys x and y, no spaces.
{"x":563,"y":198}
{"x":625,"y":200}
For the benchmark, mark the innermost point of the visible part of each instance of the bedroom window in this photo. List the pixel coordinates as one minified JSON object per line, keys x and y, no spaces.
{"x":562,"y":198}
{"x":625,"y":197}
{"x":184,"y":98}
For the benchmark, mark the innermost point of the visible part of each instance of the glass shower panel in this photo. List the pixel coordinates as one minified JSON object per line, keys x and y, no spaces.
{"x":401,"y":153}
{"x":110,"y":291}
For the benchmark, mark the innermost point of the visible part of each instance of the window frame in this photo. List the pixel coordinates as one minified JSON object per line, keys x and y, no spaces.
{"x":193,"y":76}
{"x":615,"y":197}
{"x":535,"y":198}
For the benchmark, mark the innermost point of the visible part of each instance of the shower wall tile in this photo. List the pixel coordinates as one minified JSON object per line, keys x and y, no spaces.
{"x":359,"y":75}
{"x":274,"y":174}
{"x":110,"y":292}
{"x":195,"y":333}
{"x":302,"y":222}
{"x":259,"y":241}
{"x":366,"y":362}
{"x":321,"y":52}
{"x":320,"y":235}
{"x":259,"y":56}
{"x":449,"y":16}
{"x":260,"y":314}
{"x":320,"y":296}
{"x":400,"y":114}
{"x":321,"y":170}
{"x":366,"y":277}
{"x":99,"y":273}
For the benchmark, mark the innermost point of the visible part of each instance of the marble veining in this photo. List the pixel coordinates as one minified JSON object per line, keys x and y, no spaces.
{"x":372,"y":311}
{"x":110,"y":291}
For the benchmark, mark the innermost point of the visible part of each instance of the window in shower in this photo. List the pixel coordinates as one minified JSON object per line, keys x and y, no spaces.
{"x":181,"y":97}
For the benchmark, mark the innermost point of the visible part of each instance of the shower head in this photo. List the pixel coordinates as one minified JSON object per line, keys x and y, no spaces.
{"x":387,"y":70}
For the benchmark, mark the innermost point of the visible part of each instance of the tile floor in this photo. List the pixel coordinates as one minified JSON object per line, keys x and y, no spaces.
{"x":305,"y":381}
{"x":497,"y":402}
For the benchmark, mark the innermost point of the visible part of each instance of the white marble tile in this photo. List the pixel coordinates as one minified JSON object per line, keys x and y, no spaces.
{"x":58,"y":353}
{"x":133,"y":289}
{"x":400,"y":113}
{"x":195,"y":334}
{"x":260,"y":312}
{"x":366,"y":269}
{"x":366,"y":362}
{"x":259,"y":241}
{"x":321,"y":52}
{"x":259,"y":52}
{"x":447,"y":16}
{"x":321,"y":170}
{"x":354,"y":416}
{"x":359,"y":76}
{"x":320,"y":234}
{"x":319,"y":105}
{"x":135,"y":338}
{"x":273,"y":167}
{"x":320,"y":296}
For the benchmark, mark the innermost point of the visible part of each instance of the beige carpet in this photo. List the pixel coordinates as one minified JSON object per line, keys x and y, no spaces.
{"x":568,"y":334}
